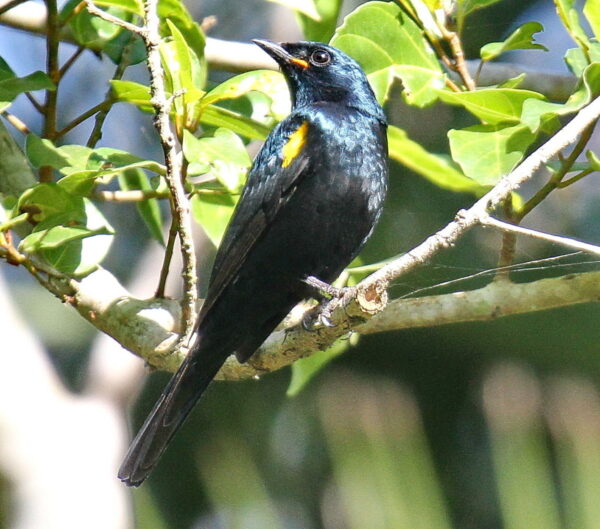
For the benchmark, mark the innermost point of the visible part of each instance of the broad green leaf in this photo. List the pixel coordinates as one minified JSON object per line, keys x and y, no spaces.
{"x":11,"y":87}
{"x":266,"y":81}
{"x":94,"y":32}
{"x":133,"y":6}
{"x":306,"y":7}
{"x":588,"y":87}
{"x":486,"y":153}
{"x":577,"y":60}
{"x":56,"y":236}
{"x":568,"y":11}
{"x":49,"y":200}
{"x":223,"y":156}
{"x":468,"y":6}
{"x":304,"y":370}
{"x":43,"y":153}
{"x":80,"y":257}
{"x":213,"y":211}
{"x":238,"y":123}
{"x":520,"y":39}
{"x":513,"y":82}
{"x":492,"y":105}
{"x":149,"y":210}
{"x":465,"y":7}
{"x":321,"y":30}
{"x":387,"y":44}
{"x":591,"y":10}
{"x":6,"y":71}
{"x":131,"y":92}
{"x":437,"y":169}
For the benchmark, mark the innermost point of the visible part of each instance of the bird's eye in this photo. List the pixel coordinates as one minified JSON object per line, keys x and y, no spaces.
{"x":320,"y":58}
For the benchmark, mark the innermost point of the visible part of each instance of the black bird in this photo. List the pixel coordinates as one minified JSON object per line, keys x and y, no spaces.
{"x":312,"y":199}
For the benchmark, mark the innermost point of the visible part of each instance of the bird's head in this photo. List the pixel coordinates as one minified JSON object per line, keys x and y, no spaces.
{"x":317,"y":72}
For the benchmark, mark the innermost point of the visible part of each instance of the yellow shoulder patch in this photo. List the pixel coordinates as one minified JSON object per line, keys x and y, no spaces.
{"x":294,"y":145}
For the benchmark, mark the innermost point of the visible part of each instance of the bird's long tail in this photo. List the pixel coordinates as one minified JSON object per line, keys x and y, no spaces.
{"x":169,"y":413}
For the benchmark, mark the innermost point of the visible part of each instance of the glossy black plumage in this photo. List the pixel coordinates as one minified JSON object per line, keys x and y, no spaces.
{"x":312,"y":199}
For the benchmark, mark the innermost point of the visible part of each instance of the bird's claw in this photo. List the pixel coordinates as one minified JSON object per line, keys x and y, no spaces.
{"x":322,"y":315}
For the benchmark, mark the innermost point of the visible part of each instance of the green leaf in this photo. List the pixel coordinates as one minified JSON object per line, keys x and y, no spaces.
{"x":94,"y":32}
{"x":223,"y":157}
{"x":388,"y":44}
{"x":183,"y":73}
{"x":437,"y":169}
{"x":266,"y":81}
{"x":56,"y":236}
{"x":43,"y":153}
{"x":568,"y":12}
{"x":176,"y":12}
{"x":131,"y":92}
{"x":132,"y":6}
{"x":149,"y":210}
{"x":11,"y":87}
{"x":213,"y":211}
{"x":304,"y":370}
{"x":468,"y":6}
{"x":81,"y":256}
{"x":320,"y":30}
{"x":577,"y":60}
{"x":486,"y":153}
{"x":591,"y":10}
{"x":465,"y":7}
{"x":520,"y":39}
{"x":238,"y":123}
{"x":492,"y":105}
{"x":306,"y":7}
{"x":588,"y":87}
{"x":48,"y":200}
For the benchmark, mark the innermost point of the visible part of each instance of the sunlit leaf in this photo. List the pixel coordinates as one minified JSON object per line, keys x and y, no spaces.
{"x":222,"y":156}
{"x":486,"y":153}
{"x":320,"y":30}
{"x":387,"y":44}
{"x":213,"y":211}
{"x":520,"y":39}
{"x":434,"y":168}
{"x":492,"y":105}
{"x":588,"y":87}
{"x":306,"y":7}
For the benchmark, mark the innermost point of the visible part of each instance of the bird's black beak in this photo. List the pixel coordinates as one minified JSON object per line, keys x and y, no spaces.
{"x":280,"y":54}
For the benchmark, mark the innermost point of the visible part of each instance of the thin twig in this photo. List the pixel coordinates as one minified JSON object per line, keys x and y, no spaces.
{"x":487,"y":220}
{"x":16,"y":122}
{"x":467,"y":219}
{"x":82,"y":117}
{"x":166,"y":265}
{"x":71,"y":60}
{"x":91,"y":7}
{"x":10,"y":5}
{"x":556,"y":178}
{"x":53,"y":71}
{"x":96,"y":133}
{"x":133,"y":195}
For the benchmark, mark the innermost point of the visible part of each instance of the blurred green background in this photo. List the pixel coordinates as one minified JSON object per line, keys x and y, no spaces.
{"x":468,"y":426}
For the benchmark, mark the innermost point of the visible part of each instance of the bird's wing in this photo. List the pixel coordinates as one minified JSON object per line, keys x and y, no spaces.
{"x":277,"y":170}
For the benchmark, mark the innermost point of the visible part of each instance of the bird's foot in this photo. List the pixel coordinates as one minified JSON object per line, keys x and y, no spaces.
{"x":322,"y":290}
{"x":329,"y":297}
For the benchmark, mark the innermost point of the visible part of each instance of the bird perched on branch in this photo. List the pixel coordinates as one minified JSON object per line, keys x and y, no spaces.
{"x":311,"y":201}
